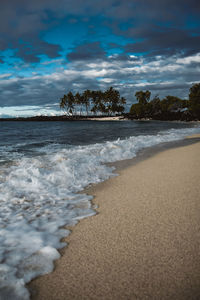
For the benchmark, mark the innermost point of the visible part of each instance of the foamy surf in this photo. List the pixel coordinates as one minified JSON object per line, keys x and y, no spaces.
{"x":39,"y":196}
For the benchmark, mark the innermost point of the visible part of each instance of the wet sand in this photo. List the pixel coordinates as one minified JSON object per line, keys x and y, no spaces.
{"x":144,"y":243}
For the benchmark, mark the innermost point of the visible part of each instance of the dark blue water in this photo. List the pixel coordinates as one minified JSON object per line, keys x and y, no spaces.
{"x":26,"y":137}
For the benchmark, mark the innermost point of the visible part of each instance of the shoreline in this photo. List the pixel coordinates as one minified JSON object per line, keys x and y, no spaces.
{"x":151,"y":151}
{"x":65,"y":118}
{"x":67,"y":253}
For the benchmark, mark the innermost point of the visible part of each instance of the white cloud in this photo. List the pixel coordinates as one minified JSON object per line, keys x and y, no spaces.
{"x":161,"y":75}
{"x":190,"y":59}
{"x":106,"y":80}
{"x":52,"y":61}
{"x":5,"y":75}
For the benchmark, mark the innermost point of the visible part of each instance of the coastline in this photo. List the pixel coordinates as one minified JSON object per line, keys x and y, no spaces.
{"x":124,"y":254}
{"x":151,"y":151}
{"x":65,"y":118}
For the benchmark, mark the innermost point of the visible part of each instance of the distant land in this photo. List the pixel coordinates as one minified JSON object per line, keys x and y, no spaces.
{"x":126,"y":116}
{"x":65,"y":118}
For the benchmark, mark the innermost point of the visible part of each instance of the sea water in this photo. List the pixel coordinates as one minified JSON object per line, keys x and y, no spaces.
{"x":43,"y":168}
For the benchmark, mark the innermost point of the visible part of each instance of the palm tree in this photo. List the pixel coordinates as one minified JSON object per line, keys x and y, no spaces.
{"x":86,"y":99}
{"x":70,"y":102}
{"x":114,"y":103}
{"x":67,"y":103}
{"x":96,"y":98}
{"x":108,"y":102}
{"x":63,"y":102}
{"x":143,"y":97}
{"x":79,"y":101}
{"x":123,"y":100}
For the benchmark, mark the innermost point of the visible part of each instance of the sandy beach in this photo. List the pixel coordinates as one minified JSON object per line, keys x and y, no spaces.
{"x":144,"y":242}
{"x":114,"y":118}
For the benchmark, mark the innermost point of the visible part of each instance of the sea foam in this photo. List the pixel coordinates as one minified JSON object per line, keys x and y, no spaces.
{"x":39,"y":196}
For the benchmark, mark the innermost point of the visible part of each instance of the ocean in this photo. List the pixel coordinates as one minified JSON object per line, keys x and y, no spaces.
{"x":43,"y":168}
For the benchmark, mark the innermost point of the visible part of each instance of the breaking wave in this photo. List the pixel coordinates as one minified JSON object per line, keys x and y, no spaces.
{"x":39,"y":195}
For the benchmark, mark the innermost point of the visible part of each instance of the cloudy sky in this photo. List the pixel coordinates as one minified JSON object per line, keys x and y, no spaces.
{"x":49,"y":47}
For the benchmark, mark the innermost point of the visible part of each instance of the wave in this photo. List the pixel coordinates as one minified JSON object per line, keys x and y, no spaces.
{"x":39,"y":196}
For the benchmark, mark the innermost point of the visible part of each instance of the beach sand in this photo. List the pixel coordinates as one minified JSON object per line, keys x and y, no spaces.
{"x":144,"y":243}
{"x":118,"y":118}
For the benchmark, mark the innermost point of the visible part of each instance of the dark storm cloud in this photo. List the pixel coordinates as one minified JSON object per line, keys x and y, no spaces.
{"x":156,"y":27}
{"x":27,"y":92}
{"x":160,"y":27}
{"x":87,"y":51}
{"x":22,"y":20}
{"x":165,"y":10}
{"x":29,"y":53}
{"x":21,"y":23}
{"x":167,"y":42}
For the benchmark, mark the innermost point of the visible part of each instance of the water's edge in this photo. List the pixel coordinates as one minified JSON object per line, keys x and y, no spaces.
{"x":152,"y":151}
{"x":142,"y":155}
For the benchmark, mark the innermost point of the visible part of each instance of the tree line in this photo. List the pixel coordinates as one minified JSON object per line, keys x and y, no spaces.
{"x":108,"y":103}
{"x":169,"y":108}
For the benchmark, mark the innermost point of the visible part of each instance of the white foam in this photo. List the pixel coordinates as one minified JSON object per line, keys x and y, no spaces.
{"x":38,"y":196}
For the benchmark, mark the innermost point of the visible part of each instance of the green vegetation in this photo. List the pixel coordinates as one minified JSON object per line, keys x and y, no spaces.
{"x":110,"y":102}
{"x":95,"y":102}
{"x":169,"y":108}
{"x":194,"y":100}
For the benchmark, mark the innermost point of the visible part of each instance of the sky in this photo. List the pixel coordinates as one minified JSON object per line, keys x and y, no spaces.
{"x":48,"y":48}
